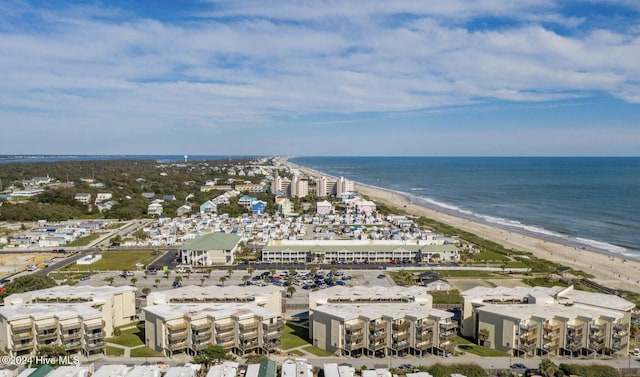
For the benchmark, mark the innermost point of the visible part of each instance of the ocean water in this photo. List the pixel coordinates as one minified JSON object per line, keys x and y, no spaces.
{"x":584,"y":202}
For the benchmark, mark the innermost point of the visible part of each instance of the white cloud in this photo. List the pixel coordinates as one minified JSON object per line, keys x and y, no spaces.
{"x":273,"y":59}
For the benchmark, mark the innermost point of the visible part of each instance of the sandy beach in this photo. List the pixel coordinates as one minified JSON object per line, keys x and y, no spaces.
{"x":613,"y":272}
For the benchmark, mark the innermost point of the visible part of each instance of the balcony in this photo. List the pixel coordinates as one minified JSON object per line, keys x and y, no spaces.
{"x":424,"y":335}
{"x":177,"y":346}
{"x":528,"y":326}
{"x":354,"y":337}
{"x":551,"y":335}
{"x":70,"y":326}
{"x":424,"y":326}
{"x":375,"y":326}
{"x":249,"y":335}
{"x":70,"y":335}
{"x":354,"y":327}
{"x":401,"y":326}
{"x":619,"y":335}
{"x":248,"y":345}
{"x":447,"y":335}
{"x":72,"y":345}
{"x":527,"y":346}
{"x":174,"y":336}
{"x":223,"y":327}
{"x":21,"y":327}
{"x":227,"y":344}
{"x":400,"y":345}
{"x":272,"y":335}
{"x":550,"y":326}
{"x":177,"y":326}
{"x":201,"y":335}
{"x":94,"y":346}
{"x":200,"y":346}
{"x":620,"y":326}
{"x":248,"y":326}
{"x":46,"y":326}
{"x":573,"y":346}
{"x":377,"y":346}
{"x":47,"y":336}
{"x":423,"y":345}
{"x":95,"y":334}
{"x":448,"y":326}
{"x":272,"y":346}
{"x":22,"y":346}
{"x":550,"y":345}
{"x":275,"y":325}
{"x":528,"y":336}
{"x":226,"y":336}
{"x":22,"y":335}
{"x":353,"y":346}
{"x":618,"y":345}
{"x":200,"y":326}
{"x":400,"y":336}
{"x":94,"y":325}
{"x":597,"y":328}
{"x":377,"y":336}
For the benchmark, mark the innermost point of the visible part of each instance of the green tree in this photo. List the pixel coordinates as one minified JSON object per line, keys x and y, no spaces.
{"x":178,"y":279}
{"x":51,"y":353}
{"x":167,"y":273}
{"x":230,"y":272}
{"x":109,"y":279}
{"x":209,"y":355}
{"x":245,"y":279}
{"x":250,"y":270}
{"x":157,"y":281}
{"x":547,"y":367}
{"x":291,"y":290}
{"x":146,"y":291}
{"x":483,"y":335}
{"x":202,"y":280}
{"x":27,"y":283}
{"x":223,"y":279}
{"x":134,"y":281}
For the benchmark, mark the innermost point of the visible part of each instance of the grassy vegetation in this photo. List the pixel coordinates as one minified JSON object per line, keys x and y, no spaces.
{"x":543,"y":282}
{"x":468,"y":274}
{"x":116,"y":261}
{"x":129,"y":337}
{"x":446,"y":297}
{"x":144,"y":352}
{"x":114,"y":351}
{"x":84,"y":241}
{"x":467,"y":346}
{"x":296,"y":353}
{"x":489,"y":256}
{"x":115,"y":226}
{"x":317,"y":351}
{"x":294,"y":336}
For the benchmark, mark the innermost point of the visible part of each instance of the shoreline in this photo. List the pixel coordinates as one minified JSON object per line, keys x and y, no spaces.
{"x":608,"y":268}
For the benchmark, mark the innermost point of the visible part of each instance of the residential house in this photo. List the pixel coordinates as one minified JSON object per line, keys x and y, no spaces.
{"x":208,"y":207}
{"x":83,"y":197}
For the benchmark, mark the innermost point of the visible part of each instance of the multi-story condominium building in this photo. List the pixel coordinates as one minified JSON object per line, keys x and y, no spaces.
{"x":117,"y":304}
{"x":79,"y":328}
{"x":331,"y":186}
{"x":547,"y":321}
{"x":251,"y":187}
{"x":299,"y":187}
{"x":189,"y":328}
{"x":382,"y":329}
{"x":210,"y":249}
{"x":269,"y":297}
{"x":359,"y":251}
{"x":379,"y":321}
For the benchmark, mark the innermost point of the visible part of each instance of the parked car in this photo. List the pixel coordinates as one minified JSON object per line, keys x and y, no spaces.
{"x":85,"y":277}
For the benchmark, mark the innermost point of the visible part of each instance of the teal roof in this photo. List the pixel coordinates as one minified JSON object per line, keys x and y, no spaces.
{"x":213,"y":241}
{"x":42,"y":371}
{"x":267,"y":369}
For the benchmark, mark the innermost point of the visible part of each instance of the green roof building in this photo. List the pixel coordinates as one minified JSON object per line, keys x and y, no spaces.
{"x":210,"y":249}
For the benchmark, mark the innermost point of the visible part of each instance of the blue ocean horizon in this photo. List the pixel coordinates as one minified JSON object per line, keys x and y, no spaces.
{"x":590,"y":202}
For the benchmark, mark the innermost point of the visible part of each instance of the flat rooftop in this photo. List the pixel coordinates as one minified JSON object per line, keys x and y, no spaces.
{"x":243,"y":293}
{"x":373,"y":311}
{"x":66,"y":292}
{"x":43,"y":311}
{"x":549,"y":311}
{"x":211,"y":310}
{"x":371,"y":293}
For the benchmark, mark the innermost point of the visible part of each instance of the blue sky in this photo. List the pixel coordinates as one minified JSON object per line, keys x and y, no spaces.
{"x":325,"y":77}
